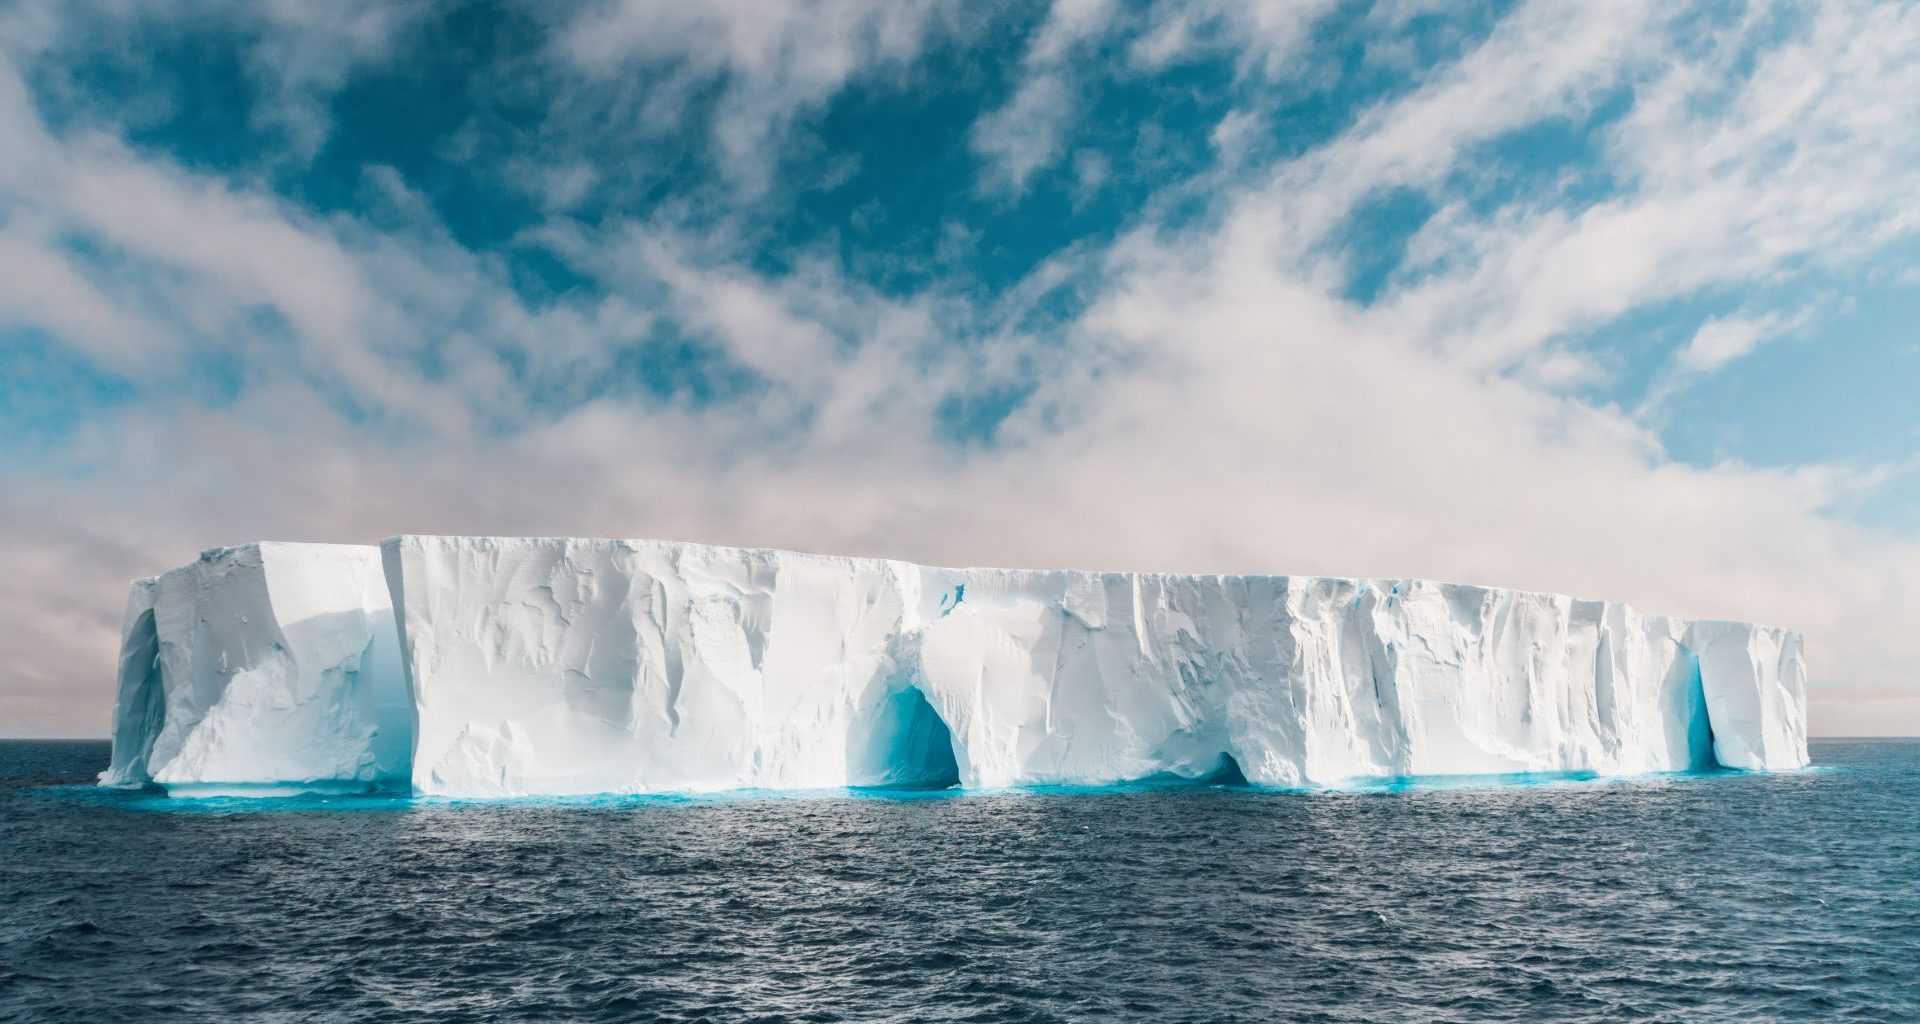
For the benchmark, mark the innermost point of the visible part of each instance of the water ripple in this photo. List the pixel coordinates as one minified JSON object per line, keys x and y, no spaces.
{"x":1733,"y":898}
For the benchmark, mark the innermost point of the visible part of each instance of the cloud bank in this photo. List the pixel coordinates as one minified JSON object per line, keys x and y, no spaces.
{"x":1197,"y":388}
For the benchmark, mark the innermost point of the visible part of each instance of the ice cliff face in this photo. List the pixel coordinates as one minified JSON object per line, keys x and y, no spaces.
{"x":259,"y":668}
{"x":592,"y":666}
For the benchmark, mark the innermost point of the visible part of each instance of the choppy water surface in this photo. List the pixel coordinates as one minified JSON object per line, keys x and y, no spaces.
{"x":1727,"y":898}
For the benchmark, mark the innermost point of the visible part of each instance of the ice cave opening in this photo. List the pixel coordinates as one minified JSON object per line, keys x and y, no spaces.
{"x":1225,"y":772}
{"x":911,"y":746}
{"x":1700,"y":753}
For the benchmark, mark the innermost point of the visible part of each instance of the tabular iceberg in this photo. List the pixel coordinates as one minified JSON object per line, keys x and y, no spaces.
{"x":503,"y":666}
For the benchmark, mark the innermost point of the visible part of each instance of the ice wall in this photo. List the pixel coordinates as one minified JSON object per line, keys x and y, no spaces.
{"x":555,"y":666}
{"x":587,"y":666}
{"x":262,"y":668}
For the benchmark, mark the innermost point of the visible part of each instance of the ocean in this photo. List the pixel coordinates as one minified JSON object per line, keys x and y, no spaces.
{"x":1722,"y":897}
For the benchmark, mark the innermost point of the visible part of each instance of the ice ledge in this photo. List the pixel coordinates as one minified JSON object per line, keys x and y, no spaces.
{"x":474,"y":666}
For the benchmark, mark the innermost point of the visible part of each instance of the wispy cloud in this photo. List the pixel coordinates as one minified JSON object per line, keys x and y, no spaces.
{"x":1719,"y":342}
{"x":1198,"y":393}
{"x":771,"y":63}
{"x":1263,"y":39}
{"x":1727,"y":175}
{"x":1081,"y":40}
{"x":1722,"y":340}
{"x":297,"y":56}
{"x":1029,"y":132}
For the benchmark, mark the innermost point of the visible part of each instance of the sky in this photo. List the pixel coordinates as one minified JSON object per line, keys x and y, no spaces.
{"x":1613,"y":299}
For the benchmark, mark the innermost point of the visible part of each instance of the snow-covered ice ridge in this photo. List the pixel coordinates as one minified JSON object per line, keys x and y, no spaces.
{"x":478,"y":666}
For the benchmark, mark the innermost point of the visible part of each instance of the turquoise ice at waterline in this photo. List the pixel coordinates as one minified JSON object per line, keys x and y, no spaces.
{"x":503,"y":667}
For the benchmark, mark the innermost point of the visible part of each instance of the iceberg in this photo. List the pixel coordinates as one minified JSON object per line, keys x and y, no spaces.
{"x":259,"y":669}
{"x":493,"y":667}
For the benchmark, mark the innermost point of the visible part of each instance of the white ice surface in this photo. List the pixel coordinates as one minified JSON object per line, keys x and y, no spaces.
{"x":594,"y":666}
{"x":262,"y":668}
{"x":492,"y":667}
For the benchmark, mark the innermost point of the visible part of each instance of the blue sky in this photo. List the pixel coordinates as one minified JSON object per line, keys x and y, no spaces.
{"x":1613,"y":299}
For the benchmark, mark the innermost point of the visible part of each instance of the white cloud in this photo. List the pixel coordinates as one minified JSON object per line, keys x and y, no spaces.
{"x":1268,"y":39}
{"x":42,"y":288}
{"x":297,"y":55}
{"x":1793,"y":161}
{"x":1718,"y":343}
{"x":1218,"y":407}
{"x":774,"y":62}
{"x":1030,"y":131}
{"x":1028,"y":134}
{"x":1034,"y":128}
{"x":306,"y":51}
{"x":1721,"y":340}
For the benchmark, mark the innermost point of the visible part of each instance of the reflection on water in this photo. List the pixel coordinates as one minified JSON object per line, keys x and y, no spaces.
{"x":1732,"y":897}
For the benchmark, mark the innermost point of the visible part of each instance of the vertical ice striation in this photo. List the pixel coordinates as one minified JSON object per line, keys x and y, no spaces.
{"x":587,"y":666}
{"x":560,"y":666}
{"x":262,"y":668}
{"x":578,"y":666}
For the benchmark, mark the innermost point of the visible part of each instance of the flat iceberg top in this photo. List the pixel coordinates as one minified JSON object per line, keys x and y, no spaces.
{"x":571,"y":666}
{"x":481,"y":542}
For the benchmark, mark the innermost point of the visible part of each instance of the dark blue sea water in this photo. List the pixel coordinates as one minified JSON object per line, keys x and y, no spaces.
{"x":1722,"y":898}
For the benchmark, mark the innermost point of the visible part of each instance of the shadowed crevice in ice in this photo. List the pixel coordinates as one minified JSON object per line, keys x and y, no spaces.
{"x":140,"y":712}
{"x":1700,"y":752}
{"x":1226,"y":772}
{"x":911,"y":748}
{"x":520,"y":667}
